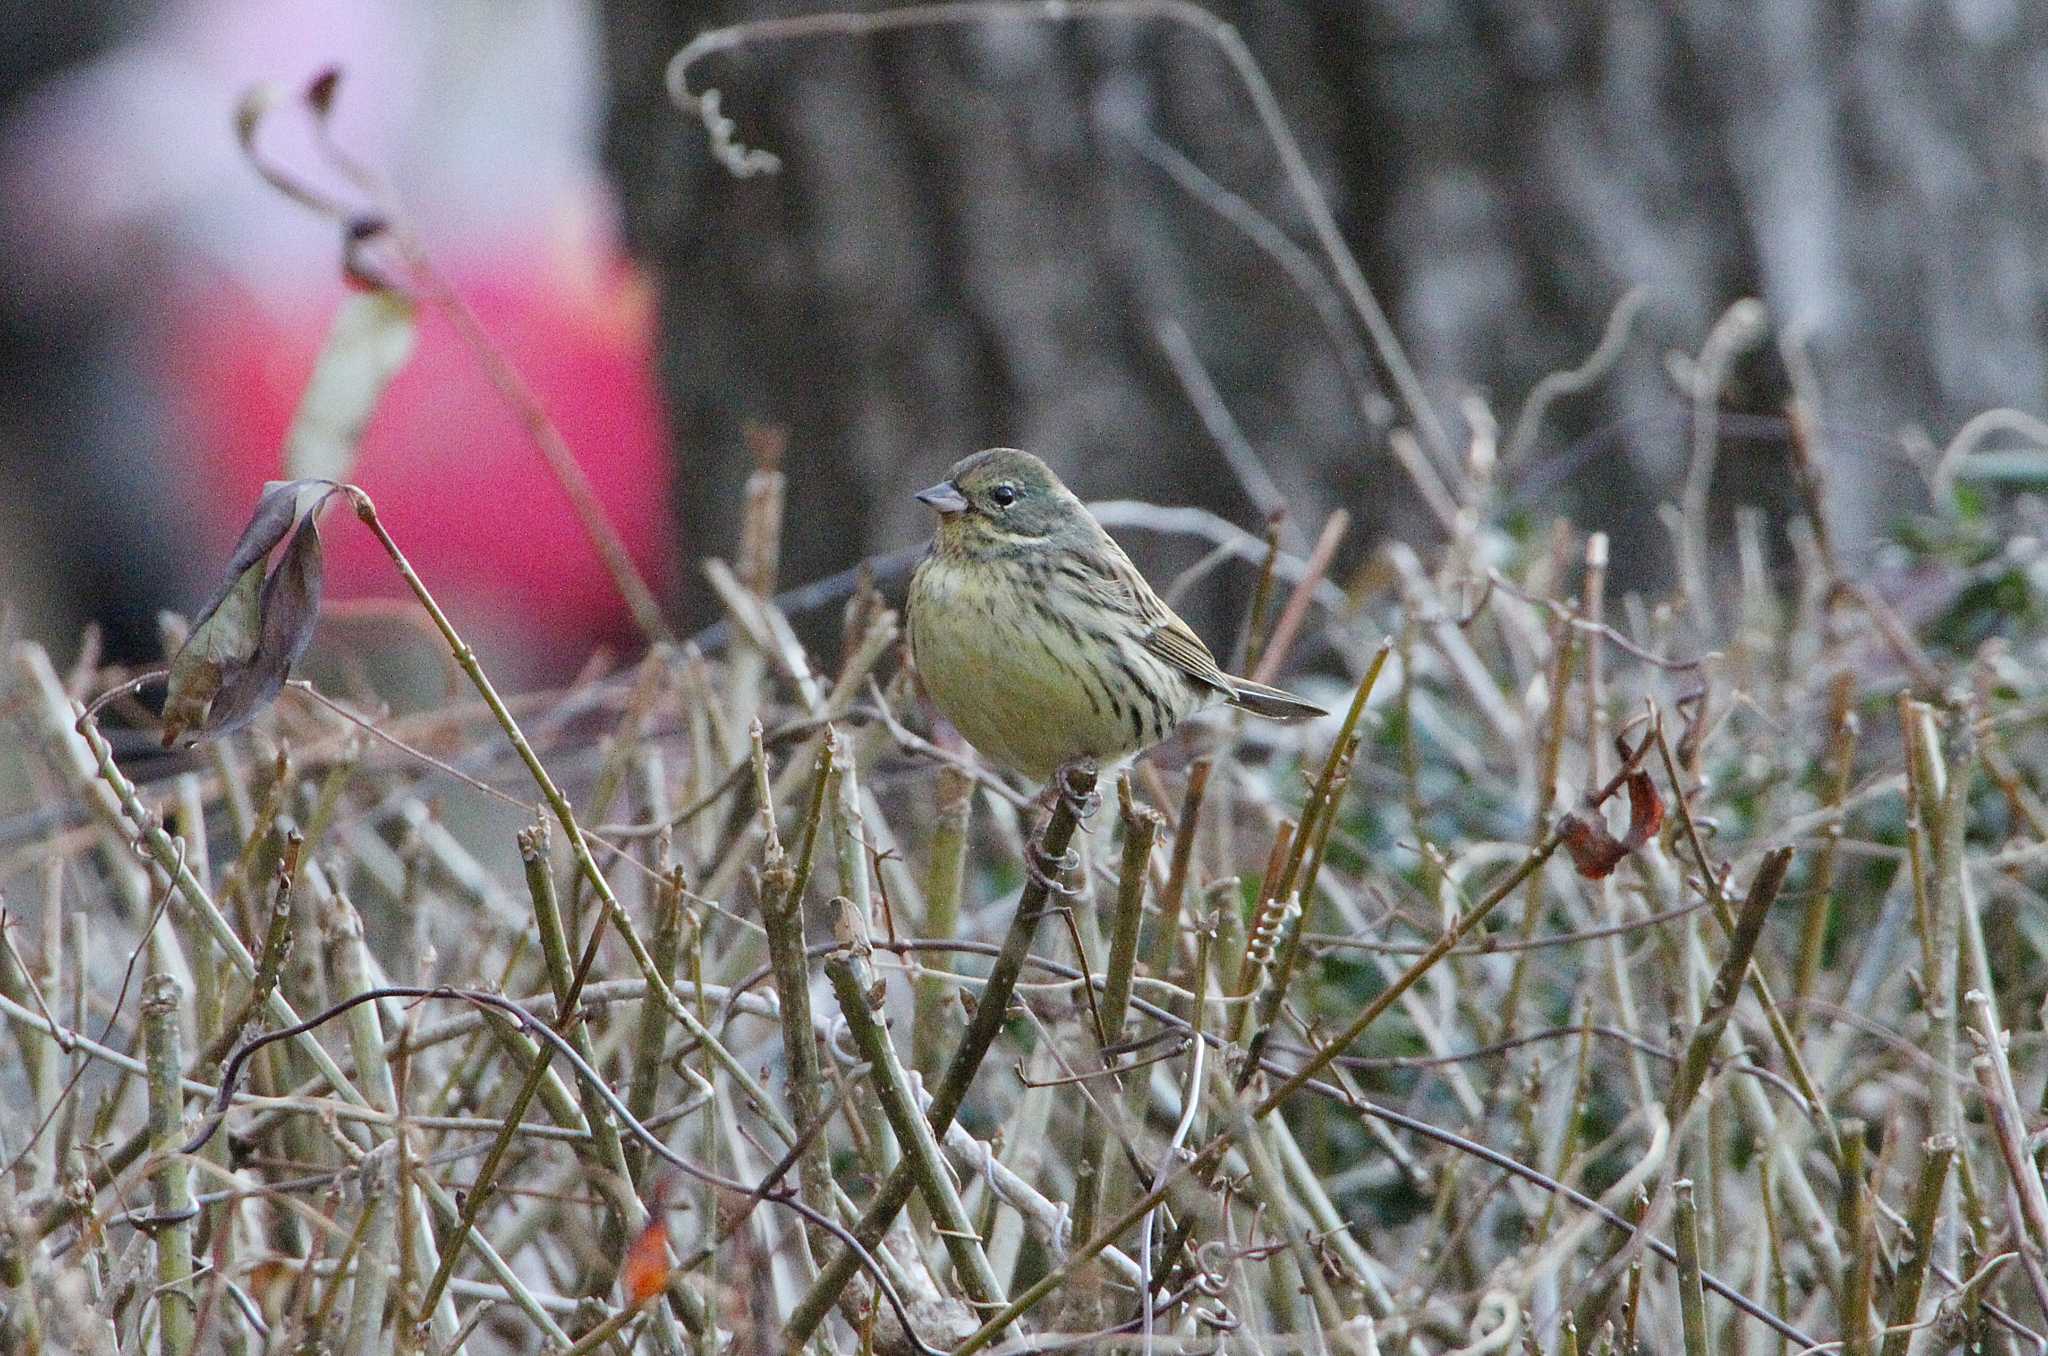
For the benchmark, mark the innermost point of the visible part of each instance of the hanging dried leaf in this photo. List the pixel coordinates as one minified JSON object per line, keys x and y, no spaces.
{"x":1645,"y":810}
{"x":282,"y":503}
{"x":1595,"y":851}
{"x":225,"y":633}
{"x":290,"y":607}
{"x":646,"y":1270}
{"x":369,"y":341}
{"x":245,"y":640}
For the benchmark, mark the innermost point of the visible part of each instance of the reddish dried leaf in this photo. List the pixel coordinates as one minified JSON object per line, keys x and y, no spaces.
{"x":646,"y":1270}
{"x":1594,"y":851}
{"x":1645,"y":810}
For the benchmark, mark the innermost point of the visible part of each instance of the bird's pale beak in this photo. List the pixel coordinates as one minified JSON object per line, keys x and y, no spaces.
{"x":945,"y":497}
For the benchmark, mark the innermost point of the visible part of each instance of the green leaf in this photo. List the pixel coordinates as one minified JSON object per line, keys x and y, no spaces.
{"x":224,"y":634}
{"x":369,"y":341}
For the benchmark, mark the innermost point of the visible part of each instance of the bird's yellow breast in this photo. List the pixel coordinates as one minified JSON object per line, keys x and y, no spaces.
{"x":1015,"y":682}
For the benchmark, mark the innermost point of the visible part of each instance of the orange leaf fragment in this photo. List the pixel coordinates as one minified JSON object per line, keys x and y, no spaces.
{"x":645,"y":1274}
{"x":1595,"y":851}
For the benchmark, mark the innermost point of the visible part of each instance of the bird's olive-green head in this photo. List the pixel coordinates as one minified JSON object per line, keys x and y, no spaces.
{"x":1003,"y":500}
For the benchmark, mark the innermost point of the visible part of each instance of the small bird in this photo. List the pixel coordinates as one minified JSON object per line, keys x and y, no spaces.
{"x":1039,"y":639}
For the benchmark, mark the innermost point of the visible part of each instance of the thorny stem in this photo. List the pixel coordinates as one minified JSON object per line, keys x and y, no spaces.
{"x":943,"y":884}
{"x":1166,"y":941}
{"x":1810,"y":1258}
{"x":1559,"y":681}
{"x":2028,"y":1206}
{"x":563,"y":976}
{"x":165,"y":852}
{"x":1842,"y":757}
{"x":1936,"y":1155}
{"x":110,"y":1164}
{"x":1860,"y":1240}
{"x":1374,"y":1010}
{"x":480,"y":1190}
{"x":1938,"y":807}
{"x":1319,"y":817}
{"x":1720,"y":1004}
{"x":782,"y":918}
{"x":651,"y":1038}
{"x":1141,"y":826}
{"x":1212,"y":1153}
{"x":586,"y":1074}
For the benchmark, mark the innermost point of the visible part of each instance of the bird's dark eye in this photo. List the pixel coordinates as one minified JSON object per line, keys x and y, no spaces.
{"x":1003,"y":495}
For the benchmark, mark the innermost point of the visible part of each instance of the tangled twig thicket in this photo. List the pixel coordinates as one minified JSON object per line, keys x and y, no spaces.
{"x":723,"y":1004}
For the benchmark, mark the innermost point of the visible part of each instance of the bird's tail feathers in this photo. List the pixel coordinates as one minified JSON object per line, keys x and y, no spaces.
{"x":1271,"y":702}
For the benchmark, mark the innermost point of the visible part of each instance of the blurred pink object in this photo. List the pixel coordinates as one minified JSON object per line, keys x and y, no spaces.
{"x":455,"y":474}
{"x":135,"y":196}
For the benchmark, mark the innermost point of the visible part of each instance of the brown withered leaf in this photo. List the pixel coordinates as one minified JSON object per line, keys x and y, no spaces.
{"x":245,"y":640}
{"x":1593,"y":849}
{"x":290,"y":607}
{"x":279,"y":507}
{"x":226,"y":632}
{"x":645,"y":1272}
{"x":1645,"y":810}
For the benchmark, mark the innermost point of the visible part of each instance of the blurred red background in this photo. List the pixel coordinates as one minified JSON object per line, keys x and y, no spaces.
{"x":165,"y":307}
{"x":455,"y":475}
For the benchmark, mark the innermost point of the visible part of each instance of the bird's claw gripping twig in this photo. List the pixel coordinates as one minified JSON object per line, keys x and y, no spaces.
{"x":1081,"y":805}
{"x":1048,"y":871}
{"x":1060,"y":791}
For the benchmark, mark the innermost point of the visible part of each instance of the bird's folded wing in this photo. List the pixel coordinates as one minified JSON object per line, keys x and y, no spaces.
{"x":1172,"y":641}
{"x":1108,"y":574}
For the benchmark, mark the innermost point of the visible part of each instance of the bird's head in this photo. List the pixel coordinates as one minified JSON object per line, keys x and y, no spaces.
{"x":1001,"y":501}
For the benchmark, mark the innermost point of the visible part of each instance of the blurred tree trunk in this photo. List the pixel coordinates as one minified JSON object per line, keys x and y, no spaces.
{"x":974,"y":240}
{"x":68,"y":554}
